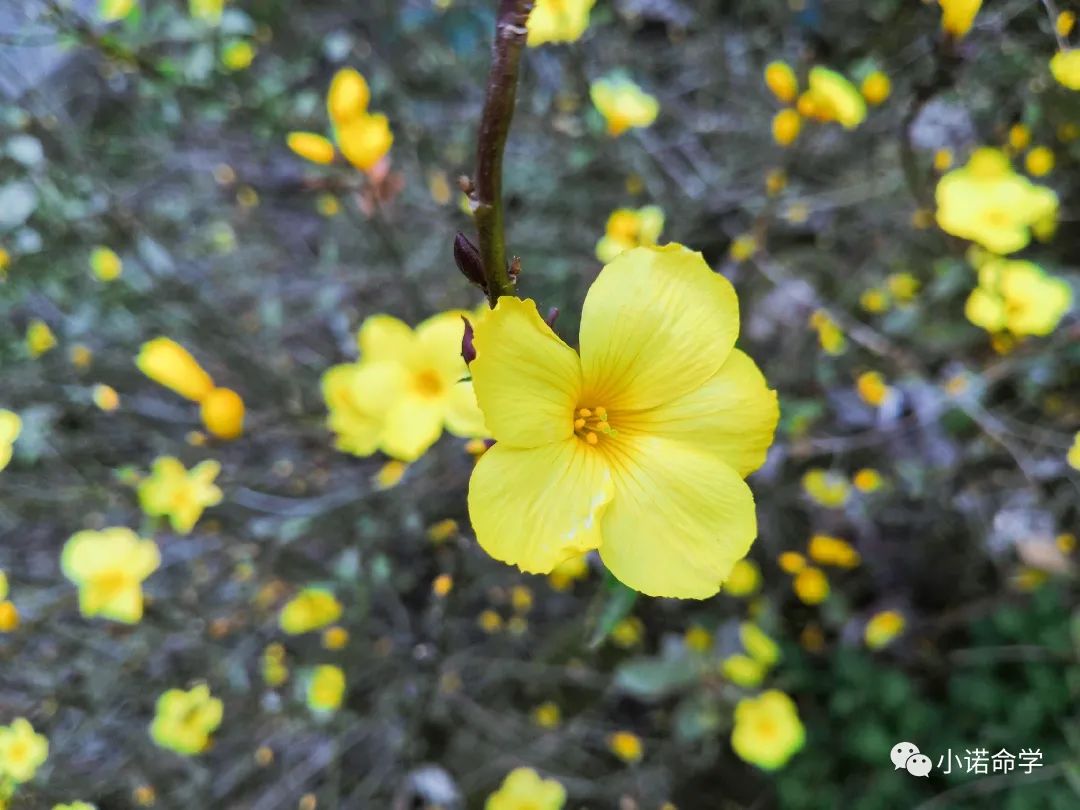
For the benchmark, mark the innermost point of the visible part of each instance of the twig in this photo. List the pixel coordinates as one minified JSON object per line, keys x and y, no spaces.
{"x":510,"y":35}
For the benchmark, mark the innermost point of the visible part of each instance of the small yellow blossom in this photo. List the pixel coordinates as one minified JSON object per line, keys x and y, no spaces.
{"x":22,"y":751}
{"x":943,"y":160}
{"x":348,"y":96}
{"x":442,"y":531}
{"x":828,"y":550}
{"x":335,"y":638}
{"x":827,"y":488}
{"x":222,"y":412}
{"x":883,"y":627}
{"x":1017,"y":297}
{"x":521,"y":598}
{"x":10,"y":428}
{"x":875,"y":88}
{"x":326,"y":688}
{"x":1065,"y":23}
{"x":75,"y":806}
{"x":875,"y":300}
{"x":524,"y":789}
{"x":490,"y":621}
{"x":566,"y":573}
{"x":1066,"y":541}
{"x":109,"y":567}
{"x":742,"y":670}
{"x":39,"y":338}
{"x":629,"y":228}
{"x":1019,"y":137}
{"x":105,"y":264}
{"x":3,"y":585}
{"x":9,"y":617}
{"x":184,"y":721}
{"x":81,"y":356}
{"x":626,"y":745}
{"x":237,"y":54}
{"x":311,"y":609}
{"x":209,"y":11}
{"x":623,"y":104}
{"x":830,"y":336}
{"x":745,"y":579}
{"x":365,"y":141}
{"x":775,"y":182}
{"x":1073,"y":456}
{"x":872,"y":388}
{"x":311,"y":146}
{"x":390,"y":474}
{"x":791,"y":562}
{"x":274,"y":670}
{"x":1039,"y":161}
{"x":168,"y":363}
{"x":785,"y":126}
{"x":113,"y":10}
{"x":743,"y":247}
{"x":780,"y":79}
{"x":442,"y":585}
{"x":5,"y":263}
{"x":957,"y":16}
{"x":547,"y":715}
{"x":758,"y":644}
{"x":328,"y":205}
{"x":811,"y":586}
{"x":831,"y":97}
{"x":867,"y":479}
{"x":628,"y":632}
{"x":1065,"y":67}
{"x":179,"y":494}
{"x":812,"y":638}
{"x":698,"y":639}
{"x":105,"y":397}
{"x":767,"y":730}
{"x":558,"y":21}
{"x":903,"y":287}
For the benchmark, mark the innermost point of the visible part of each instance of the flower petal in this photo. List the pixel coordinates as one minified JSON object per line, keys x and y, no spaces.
{"x":679,"y":521}
{"x":385,"y":338}
{"x":412,"y":425}
{"x":733,"y":415}
{"x":463,"y":416}
{"x":527,"y":380}
{"x":537,"y":507}
{"x":657,"y":324}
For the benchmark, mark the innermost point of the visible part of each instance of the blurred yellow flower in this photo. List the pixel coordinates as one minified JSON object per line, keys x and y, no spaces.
{"x":785,"y":127}
{"x":328,"y":205}
{"x":1017,"y":297}
{"x":563,"y":575}
{"x":791,"y":562}
{"x":348,"y":96}
{"x":3,"y":585}
{"x":311,"y":609}
{"x":903,"y":287}
{"x":744,"y":580}
{"x":698,"y":639}
{"x":883,"y":627}
{"x":9,"y":617}
{"x":872,"y":388}
{"x":326,"y":688}
{"x":558,"y":21}
{"x":781,"y":81}
{"x":105,"y":264}
{"x":1073,"y":456}
{"x":109,"y":567}
{"x":75,"y":806}
{"x":113,"y":10}
{"x":957,"y":16}
{"x":626,"y":745}
{"x":742,"y":670}
{"x":623,"y":104}
{"x":629,"y":228}
{"x":867,"y":480}
{"x":184,"y":721}
{"x":365,"y":141}
{"x":80,"y":356}
{"x":627,"y":632}
{"x":22,"y":751}
{"x":1065,"y":67}
{"x":874,"y":300}
{"x":335,"y":638}
{"x":168,"y":363}
{"x":237,"y":54}
{"x":407,"y":386}
{"x":105,"y":397}
{"x":831,"y":97}
{"x":10,"y":428}
{"x":274,"y":670}
{"x":610,"y":448}
{"x":311,"y":146}
{"x":490,"y":621}
{"x":830,"y":489}
{"x":1019,"y":137}
{"x":743,"y":247}
{"x":442,"y":531}
{"x":828,"y":550}
{"x":943,"y":160}
{"x":987,"y":202}
{"x":811,"y":586}
{"x":758,"y":644}
{"x":524,"y":789}
{"x":1065,"y":23}
{"x":875,"y":88}
{"x":209,"y":11}
{"x":180,"y":494}
{"x":1039,"y":161}
{"x":830,"y":336}
{"x":39,"y":338}
{"x":222,"y":412}
{"x":547,"y":715}
{"x":767,"y":730}
{"x":442,"y":585}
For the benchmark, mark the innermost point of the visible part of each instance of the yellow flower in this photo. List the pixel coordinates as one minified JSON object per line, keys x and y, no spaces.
{"x":9,"y":617}
{"x":5,"y":263}
{"x":22,"y":751}
{"x":831,"y":97}
{"x":883,"y":627}
{"x":1073,"y":456}
{"x":106,"y":398}
{"x":177,"y":493}
{"x":364,"y":141}
{"x":872,"y":388}
{"x":3,"y":585}
{"x":109,"y":567}
{"x":903,"y":286}
{"x":335,"y":638}
{"x":742,"y":670}
{"x":767,"y":730}
{"x":811,"y":586}
{"x":628,"y":632}
{"x":407,"y":385}
{"x":780,"y":79}
{"x":39,"y":338}
{"x":328,"y":205}
{"x":443,"y":530}
{"x":698,"y":639}
{"x":1065,"y":66}
{"x":874,"y":300}
{"x":744,"y":580}
{"x":785,"y":126}
{"x":490,"y":621}
{"x":867,"y":480}
{"x":1017,"y":297}
{"x":1039,"y":161}
{"x":524,"y":789}
{"x":875,"y":88}
{"x":563,"y":575}
{"x":743,"y":247}
{"x":105,"y":264}
{"x":184,"y":721}
{"x":168,"y":363}
{"x":75,"y":806}
{"x":237,"y":54}
{"x":828,"y":550}
{"x":626,"y":746}
{"x":1065,"y":23}
{"x":311,"y":146}
{"x":113,"y":10}
{"x":758,"y":644}
{"x":629,"y":228}
{"x":653,"y":425}
{"x":791,"y":562}
{"x":209,"y":11}
{"x":943,"y":160}
{"x":558,"y":21}
{"x":987,"y":202}
{"x":957,"y":16}
{"x":623,"y":104}
{"x":222,"y":412}
{"x":326,"y":688}
{"x":10,"y":428}
{"x":1019,"y":137}
{"x":547,"y":715}
{"x":830,"y":336}
{"x":348,"y":96}
{"x":827,"y":488}
{"x":274,"y":670}
{"x":442,"y":585}
{"x":310,"y":609}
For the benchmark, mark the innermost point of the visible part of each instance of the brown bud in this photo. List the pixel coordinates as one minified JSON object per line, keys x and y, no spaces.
{"x":467,"y":257}
{"x":553,"y":313}
{"x":468,"y":351}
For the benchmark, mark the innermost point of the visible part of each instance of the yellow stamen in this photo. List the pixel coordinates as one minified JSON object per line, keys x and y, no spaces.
{"x":579,"y":424}
{"x":591,"y":438}
{"x":585,"y":412}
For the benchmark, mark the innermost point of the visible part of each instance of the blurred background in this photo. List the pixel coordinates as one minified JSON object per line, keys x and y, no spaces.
{"x":930,"y":453}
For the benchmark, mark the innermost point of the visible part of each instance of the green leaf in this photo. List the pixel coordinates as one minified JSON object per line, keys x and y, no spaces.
{"x":618,"y":602}
{"x":655,"y":678}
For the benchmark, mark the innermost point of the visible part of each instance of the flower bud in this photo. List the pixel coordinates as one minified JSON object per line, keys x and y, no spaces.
{"x":467,"y":258}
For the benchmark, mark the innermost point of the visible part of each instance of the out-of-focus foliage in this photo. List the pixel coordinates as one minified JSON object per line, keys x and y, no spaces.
{"x":147,"y":190}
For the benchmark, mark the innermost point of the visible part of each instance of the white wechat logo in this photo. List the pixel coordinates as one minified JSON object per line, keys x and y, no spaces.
{"x":907,"y":756}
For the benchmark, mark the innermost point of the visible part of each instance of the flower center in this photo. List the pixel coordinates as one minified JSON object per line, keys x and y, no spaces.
{"x":590,"y":423}
{"x":110,"y":584}
{"x":428,"y":383}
